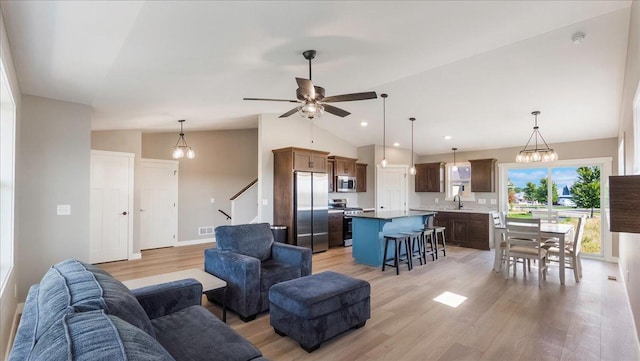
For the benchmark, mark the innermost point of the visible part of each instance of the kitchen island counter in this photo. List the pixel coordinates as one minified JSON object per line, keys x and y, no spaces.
{"x":369,"y":230}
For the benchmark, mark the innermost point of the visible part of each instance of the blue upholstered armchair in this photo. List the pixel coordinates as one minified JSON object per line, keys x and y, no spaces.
{"x":250,"y":262}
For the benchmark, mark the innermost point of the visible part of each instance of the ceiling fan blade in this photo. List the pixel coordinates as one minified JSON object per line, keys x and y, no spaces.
{"x":335,"y":110}
{"x":292,"y":111}
{"x":306,"y":88}
{"x":350,"y":97}
{"x":272,"y":100}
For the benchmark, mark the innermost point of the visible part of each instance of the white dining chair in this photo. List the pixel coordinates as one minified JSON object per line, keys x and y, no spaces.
{"x":523,"y":241}
{"x":571,"y":251}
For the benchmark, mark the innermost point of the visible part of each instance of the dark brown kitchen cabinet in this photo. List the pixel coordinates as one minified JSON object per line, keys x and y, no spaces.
{"x":429,"y":177}
{"x":336,"y":235}
{"x":483,"y":174}
{"x":465,"y":229}
{"x":344,"y":166}
{"x":361,"y":177}
{"x":330,"y":175}
{"x":301,"y":159}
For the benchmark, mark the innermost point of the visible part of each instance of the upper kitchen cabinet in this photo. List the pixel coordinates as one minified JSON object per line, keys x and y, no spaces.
{"x":483,"y":174}
{"x":361,"y":177}
{"x":344,"y":166}
{"x":430,"y":177}
{"x":307,"y":160}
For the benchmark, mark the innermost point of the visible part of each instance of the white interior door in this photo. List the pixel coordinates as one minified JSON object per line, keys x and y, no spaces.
{"x":391,"y":188}
{"x":159,"y":203}
{"x":111,"y":203}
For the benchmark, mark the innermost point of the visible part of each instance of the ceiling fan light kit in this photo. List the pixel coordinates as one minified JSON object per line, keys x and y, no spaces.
{"x":536,"y":154}
{"x":182,"y":149}
{"x":312,"y":97}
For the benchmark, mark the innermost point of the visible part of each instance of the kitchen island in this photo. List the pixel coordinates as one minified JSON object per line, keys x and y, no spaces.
{"x":369,"y":229}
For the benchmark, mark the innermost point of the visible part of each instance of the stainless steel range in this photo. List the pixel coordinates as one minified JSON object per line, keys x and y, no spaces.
{"x":347,"y":220}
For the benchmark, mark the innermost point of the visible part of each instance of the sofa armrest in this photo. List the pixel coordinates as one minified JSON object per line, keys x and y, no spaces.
{"x":242,"y":274}
{"x":165,"y":298}
{"x":294,"y":255}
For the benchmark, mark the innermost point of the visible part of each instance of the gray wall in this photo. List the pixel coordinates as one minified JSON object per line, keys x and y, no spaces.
{"x":225,"y":162}
{"x":8,"y":299}
{"x":54,"y":159}
{"x":629,"y":259}
{"x":129,"y":141}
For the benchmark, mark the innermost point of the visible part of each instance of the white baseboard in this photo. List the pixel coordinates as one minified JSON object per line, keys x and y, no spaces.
{"x":14,"y":327}
{"x":624,"y":285}
{"x":195,"y":241}
{"x":135,"y":256}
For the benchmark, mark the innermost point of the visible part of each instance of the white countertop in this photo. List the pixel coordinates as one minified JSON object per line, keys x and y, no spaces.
{"x":455,"y":210}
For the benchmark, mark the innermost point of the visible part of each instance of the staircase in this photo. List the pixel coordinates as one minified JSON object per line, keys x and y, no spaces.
{"x":244,"y":204}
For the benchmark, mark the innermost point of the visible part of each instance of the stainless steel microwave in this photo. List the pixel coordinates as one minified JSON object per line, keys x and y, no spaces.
{"x":345,"y":184}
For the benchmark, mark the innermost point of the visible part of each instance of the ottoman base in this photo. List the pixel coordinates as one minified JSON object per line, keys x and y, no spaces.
{"x":314,"y":308}
{"x":311,"y":333}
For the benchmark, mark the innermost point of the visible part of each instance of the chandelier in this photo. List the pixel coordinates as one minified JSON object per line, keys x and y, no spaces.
{"x":182,"y":148}
{"x":528,"y":155}
{"x":311,"y":110}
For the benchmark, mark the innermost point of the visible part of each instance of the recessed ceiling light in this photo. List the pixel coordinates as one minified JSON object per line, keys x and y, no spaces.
{"x":447,"y":137}
{"x":364,"y":124}
{"x":396,"y":144}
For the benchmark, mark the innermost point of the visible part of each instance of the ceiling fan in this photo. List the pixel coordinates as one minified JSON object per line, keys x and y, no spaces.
{"x":312,"y":99}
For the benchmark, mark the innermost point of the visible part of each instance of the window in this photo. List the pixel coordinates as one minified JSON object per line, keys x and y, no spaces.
{"x":459,"y":181}
{"x":7,"y":183}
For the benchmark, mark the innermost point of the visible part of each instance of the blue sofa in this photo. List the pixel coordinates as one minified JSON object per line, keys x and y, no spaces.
{"x":248,"y":259}
{"x":80,"y":312}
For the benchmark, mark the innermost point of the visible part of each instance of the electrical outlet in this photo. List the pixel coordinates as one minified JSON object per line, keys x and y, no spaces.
{"x":64,"y":209}
{"x":437,"y":200}
{"x":265,"y":202}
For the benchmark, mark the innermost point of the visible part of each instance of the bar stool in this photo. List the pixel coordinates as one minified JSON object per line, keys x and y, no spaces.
{"x":428,"y":238}
{"x":415,"y":239}
{"x":436,"y":231}
{"x":398,"y":240}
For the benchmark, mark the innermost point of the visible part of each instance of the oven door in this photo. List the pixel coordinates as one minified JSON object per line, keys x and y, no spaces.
{"x":347,"y":230}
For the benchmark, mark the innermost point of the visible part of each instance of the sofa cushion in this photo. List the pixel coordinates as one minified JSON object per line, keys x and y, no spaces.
{"x":253,"y":240}
{"x":319,"y":294}
{"x":196,"y":334}
{"x":91,"y":288}
{"x":272,"y":272}
{"x":94,"y":335}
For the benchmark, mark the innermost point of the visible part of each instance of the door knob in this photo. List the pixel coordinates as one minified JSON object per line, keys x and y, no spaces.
{"x":124,"y":213}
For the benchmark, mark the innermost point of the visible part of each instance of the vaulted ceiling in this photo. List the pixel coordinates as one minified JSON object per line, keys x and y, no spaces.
{"x":473,"y":70}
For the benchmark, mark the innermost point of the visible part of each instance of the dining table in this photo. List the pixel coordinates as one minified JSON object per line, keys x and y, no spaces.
{"x":560,"y":231}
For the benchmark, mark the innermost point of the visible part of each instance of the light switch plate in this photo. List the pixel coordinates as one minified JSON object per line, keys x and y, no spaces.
{"x":437,"y":200}
{"x":64,"y":209}
{"x":494,"y":201}
{"x":265,"y":202}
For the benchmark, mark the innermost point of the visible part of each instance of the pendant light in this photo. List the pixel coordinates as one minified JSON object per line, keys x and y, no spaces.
{"x":412,"y":170}
{"x":182,"y":148}
{"x":536,"y":154}
{"x":455,"y":167}
{"x":384,"y":162}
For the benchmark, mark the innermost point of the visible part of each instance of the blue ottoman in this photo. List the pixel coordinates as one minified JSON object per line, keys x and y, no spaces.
{"x":314,"y":308}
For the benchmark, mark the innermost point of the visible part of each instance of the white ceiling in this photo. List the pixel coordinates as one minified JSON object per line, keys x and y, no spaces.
{"x":473,"y":70}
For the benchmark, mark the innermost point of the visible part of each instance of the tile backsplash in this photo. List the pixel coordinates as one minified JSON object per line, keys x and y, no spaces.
{"x":488,"y":201}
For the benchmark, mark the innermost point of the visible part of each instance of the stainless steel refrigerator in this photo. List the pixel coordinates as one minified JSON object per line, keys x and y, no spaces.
{"x":311,"y":210}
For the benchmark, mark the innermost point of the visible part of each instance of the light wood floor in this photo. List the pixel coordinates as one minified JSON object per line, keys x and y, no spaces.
{"x":500,"y":320}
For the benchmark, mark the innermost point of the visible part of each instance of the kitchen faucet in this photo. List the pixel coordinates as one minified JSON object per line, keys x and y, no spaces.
{"x":459,"y":200}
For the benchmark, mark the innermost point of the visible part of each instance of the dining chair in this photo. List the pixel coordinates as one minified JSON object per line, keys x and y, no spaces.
{"x":571,"y":251}
{"x":523,"y":241}
{"x":499,"y":241}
